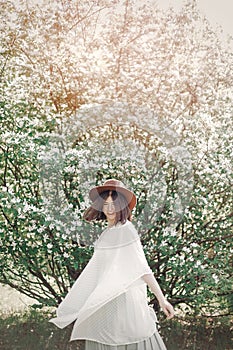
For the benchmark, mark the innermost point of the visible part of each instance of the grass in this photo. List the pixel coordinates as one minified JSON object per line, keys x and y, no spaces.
{"x":31,"y":331}
{"x":198,"y":333}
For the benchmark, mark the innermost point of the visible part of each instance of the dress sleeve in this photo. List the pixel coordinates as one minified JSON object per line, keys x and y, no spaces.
{"x":122,"y":265}
{"x":118,"y":262}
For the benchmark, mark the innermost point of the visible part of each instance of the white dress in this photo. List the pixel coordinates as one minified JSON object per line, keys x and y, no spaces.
{"x":108,"y":302}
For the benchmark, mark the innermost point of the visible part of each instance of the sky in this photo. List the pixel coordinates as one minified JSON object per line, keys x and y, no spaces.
{"x":218,"y":12}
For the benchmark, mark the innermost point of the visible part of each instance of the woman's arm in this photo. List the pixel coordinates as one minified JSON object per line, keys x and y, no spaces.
{"x":155,"y":288}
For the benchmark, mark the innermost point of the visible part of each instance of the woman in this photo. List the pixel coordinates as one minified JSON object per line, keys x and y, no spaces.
{"x":108,"y":302}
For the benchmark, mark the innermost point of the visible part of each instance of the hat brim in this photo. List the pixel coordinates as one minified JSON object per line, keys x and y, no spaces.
{"x":129,"y":196}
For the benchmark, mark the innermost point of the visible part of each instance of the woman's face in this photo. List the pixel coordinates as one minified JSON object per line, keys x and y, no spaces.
{"x":109,"y":210}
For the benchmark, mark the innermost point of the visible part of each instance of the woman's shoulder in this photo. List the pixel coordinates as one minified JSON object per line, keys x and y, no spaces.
{"x":125,"y":224}
{"x":124,"y":228}
{"x":118,"y":235}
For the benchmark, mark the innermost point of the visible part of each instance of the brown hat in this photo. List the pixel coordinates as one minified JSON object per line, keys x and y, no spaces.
{"x":117,"y":186}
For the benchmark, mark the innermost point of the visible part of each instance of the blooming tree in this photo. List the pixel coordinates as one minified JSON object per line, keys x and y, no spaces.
{"x":93,"y":90}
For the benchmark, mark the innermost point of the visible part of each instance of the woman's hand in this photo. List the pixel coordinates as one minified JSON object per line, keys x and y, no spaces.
{"x":167,"y":308}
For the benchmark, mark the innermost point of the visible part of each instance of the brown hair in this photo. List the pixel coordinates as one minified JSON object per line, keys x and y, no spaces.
{"x":95,"y":211}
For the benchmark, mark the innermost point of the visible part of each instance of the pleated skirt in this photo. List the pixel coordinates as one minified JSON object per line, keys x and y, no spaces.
{"x":155,"y":342}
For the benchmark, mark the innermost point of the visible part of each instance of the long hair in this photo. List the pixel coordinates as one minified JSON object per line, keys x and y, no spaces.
{"x":95,"y":211}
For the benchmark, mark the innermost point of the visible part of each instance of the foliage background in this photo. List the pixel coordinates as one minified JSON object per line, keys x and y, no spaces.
{"x":93,"y":90}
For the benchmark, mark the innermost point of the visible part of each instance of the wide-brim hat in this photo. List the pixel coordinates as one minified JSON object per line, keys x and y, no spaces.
{"x":114,"y":185}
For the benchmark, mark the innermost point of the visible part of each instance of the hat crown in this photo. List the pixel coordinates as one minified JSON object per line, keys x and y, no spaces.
{"x":113,"y":182}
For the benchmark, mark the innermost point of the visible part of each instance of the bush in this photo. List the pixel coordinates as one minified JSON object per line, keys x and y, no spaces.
{"x":150,"y":105}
